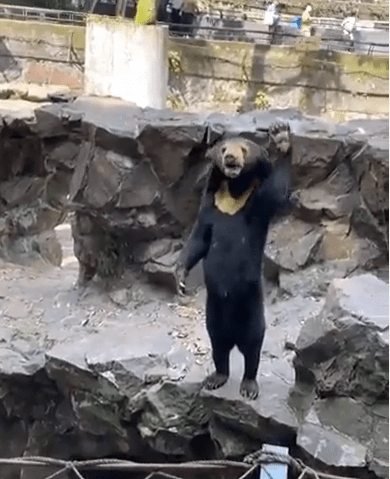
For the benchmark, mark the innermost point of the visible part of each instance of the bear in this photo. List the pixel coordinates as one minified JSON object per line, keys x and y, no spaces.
{"x":246,"y":187}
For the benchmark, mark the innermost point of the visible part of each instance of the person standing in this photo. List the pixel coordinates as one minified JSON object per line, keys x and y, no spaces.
{"x":189,"y":10}
{"x":349,"y":25}
{"x":271,"y":18}
{"x":306,"y":21}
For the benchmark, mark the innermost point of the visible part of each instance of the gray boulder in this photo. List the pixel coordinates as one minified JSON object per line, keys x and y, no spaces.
{"x":330,"y":447}
{"x":291,"y":245}
{"x":345,"y":432}
{"x":344,"y":350}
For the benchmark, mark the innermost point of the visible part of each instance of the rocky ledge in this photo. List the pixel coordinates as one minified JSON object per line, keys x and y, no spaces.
{"x":126,"y":381}
{"x":134,"y":177}
{"x":131,"y":387}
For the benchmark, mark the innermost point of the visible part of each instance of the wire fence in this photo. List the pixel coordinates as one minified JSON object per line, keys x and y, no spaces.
{"x":242,"y":470}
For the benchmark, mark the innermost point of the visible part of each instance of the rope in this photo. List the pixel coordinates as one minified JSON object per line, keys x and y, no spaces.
{"x":249,"y":472}
{"x":265,"y":457}
{"x":58,"y":473}
{"x":248,"y":466}
{"x":161,"y":474}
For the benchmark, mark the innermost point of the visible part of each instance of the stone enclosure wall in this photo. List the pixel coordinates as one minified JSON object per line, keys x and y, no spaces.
{"x":239,"y":76}
{"x":215,"y":75}
{"x":43,"y":53}
{"x":134,"y":179}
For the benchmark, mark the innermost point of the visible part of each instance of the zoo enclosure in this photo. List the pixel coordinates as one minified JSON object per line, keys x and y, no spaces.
{"x":209,"y":25}
{"x":297,"y":76}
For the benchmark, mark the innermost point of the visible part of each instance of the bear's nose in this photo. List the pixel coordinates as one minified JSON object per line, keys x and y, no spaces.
{"x":230,"y":160}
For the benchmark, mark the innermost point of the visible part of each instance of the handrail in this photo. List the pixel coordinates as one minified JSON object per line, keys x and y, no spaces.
{"x":48,"y":14}
{"x":266,"y":34}
{"x":64,"y":16}
{"x":322,"y":21}
{"x":43,"y":10}
{"x":79,"y":17}
{"x":262,"y":9}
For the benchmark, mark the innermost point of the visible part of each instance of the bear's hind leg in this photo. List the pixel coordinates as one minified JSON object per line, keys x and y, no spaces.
{"x":221,"y":354}
{"x":249,"y":387}
{"x":251,"y":349}
{"x":220,"y":342}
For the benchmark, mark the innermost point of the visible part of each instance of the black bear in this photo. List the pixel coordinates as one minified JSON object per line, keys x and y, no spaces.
{"x":246,"y":187}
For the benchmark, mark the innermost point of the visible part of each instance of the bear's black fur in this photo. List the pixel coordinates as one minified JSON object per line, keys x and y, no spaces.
{"x":231,"y":247}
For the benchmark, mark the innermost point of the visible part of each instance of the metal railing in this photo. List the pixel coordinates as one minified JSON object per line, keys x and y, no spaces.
{"x":338,"y":42}
{"x":195,"y":30}
{"x":16,"y":12}
{"x":256,"y":14}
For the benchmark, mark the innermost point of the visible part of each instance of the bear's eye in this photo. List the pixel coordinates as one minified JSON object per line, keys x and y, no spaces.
{"x":244,"y":152}
{"x":223,"y":150}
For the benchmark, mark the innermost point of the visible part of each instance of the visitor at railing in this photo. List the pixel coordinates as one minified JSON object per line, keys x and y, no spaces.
{"x":306,"y":21}
{"x":272,"y":18}
{"x":349,"y":27}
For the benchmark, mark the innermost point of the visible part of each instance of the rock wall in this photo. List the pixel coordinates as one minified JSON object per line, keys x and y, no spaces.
{"x":134,"y":179}
{"x":36,"y":169}
{"x":144,"y":187}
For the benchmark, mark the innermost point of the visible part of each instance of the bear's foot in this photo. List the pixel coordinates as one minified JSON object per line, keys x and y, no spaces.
{"x":215,"y":381}
{"x":86,"y":274}
{"x":249,"y":388}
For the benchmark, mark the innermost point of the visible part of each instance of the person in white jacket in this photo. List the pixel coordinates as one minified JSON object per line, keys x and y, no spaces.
{"x":349,"y":25}
{"x":271,"y":18}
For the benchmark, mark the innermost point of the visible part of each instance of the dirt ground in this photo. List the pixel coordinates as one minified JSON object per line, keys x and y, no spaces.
{"x":41,"y":305}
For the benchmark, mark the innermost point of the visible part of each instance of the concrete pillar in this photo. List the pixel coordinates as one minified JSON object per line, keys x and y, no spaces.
{"x":126,"y":61}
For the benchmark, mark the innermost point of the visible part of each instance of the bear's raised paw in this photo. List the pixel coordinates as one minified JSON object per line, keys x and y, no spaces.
{"x":279,"y":136}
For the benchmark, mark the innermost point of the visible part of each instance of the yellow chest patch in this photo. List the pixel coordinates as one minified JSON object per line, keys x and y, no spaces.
{"x":225,"y":202}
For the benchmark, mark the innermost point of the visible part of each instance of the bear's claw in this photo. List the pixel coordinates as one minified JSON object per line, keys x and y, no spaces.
{"x":249,"y":388}
{"x":215,"y":381}
{"x":180,"y":276}
{"x":279,"y":136}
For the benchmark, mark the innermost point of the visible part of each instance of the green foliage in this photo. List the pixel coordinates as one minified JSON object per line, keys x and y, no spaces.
{"x":175,"y":102}
{"x":175,"y":62}
{"x":261,"y":101}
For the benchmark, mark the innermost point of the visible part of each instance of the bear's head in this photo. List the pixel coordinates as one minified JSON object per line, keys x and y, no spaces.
{"x":236,"y":156}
